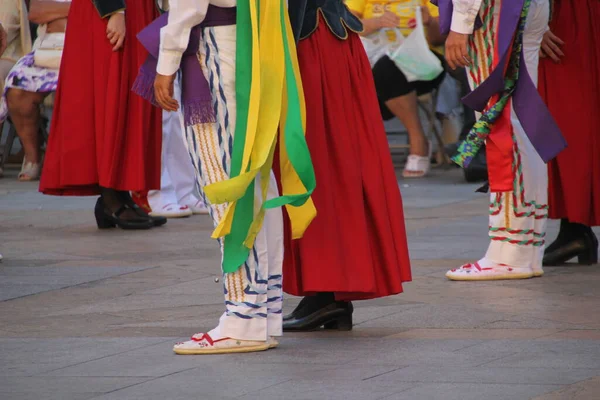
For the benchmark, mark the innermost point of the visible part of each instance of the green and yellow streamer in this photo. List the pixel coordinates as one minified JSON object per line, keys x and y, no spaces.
{"x":270,"y":106}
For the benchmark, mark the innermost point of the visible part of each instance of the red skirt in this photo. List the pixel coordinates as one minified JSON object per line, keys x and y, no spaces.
{"x":571,"y":90}
{"x":356,"y":247}
{"x":102,"y":134}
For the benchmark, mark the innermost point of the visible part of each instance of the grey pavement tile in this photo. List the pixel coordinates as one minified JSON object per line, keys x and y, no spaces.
{"x":485,"y":374}
{"x":364,"y":314}
{"x":26,"y":357}
{"x":45,"y":272}
{"x":432,"y":358}
{"x":540,"y":345}
{"x":436,"y":316}
{"x":202,"y":288}
{"x":549,"y":359}
{"x":41,"y":384}
{"x":43,"y":395}
{"x":226,"y":379}
{"x":10,"y":291}
{"x":21,"y":201}
{"x":24,"y":281}
{"x":142,"y":302}
{"x":154,"y":361}
{"x":471,"y":391}
{"x":584,"y":390}
{"x":528,"y":322}
{"x":325,"y":389}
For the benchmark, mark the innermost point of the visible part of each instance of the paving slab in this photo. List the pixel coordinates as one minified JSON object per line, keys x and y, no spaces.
{"x":88,"y":314}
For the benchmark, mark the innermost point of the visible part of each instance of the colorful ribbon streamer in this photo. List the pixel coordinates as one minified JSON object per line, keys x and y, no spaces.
{"x":269,"y":101}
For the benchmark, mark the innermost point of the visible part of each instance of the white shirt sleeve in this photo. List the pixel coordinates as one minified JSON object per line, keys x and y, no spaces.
{"x":175,"y":36}
{"x":464,"y":15}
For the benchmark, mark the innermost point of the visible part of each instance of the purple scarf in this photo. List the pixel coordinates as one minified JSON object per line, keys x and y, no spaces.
{"x":195,"y":92}
{"x":540,"y":127}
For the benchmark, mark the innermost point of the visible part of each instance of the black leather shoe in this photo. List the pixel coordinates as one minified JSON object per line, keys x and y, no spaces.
{"x":337,"y":315}
{"x":105,"y":219}
{"x":582,"y":244}
{"x":157,"y":221}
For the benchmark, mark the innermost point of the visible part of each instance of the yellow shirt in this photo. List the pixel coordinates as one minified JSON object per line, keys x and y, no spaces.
{"x":405,"y":9}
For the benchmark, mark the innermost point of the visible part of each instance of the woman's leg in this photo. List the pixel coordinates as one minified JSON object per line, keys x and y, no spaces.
{"x":24,"y":110}
{"x":400,"y":97}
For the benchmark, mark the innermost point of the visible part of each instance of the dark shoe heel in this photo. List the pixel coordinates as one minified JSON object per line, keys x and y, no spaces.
{"x":589,"y":257}
{"x":104,"y":223}
{"x":102,"y":220}
{"x":341,"y":323}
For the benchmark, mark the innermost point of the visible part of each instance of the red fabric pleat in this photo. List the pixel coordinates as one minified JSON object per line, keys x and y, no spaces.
{"x":499,"y":152}
{"x":356,"y":246}
{"x":571,"y":90}
{"x":102,"y":134}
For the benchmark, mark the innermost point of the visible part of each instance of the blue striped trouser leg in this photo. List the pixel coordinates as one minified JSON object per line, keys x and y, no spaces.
{"x":253,"y":293}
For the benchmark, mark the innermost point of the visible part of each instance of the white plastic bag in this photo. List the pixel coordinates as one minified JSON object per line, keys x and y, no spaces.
{"x":414,"y":58}
{"x":381,"y":43}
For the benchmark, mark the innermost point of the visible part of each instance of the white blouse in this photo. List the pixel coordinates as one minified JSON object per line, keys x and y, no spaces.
{"x":464,"y":15}
{"x":175,"y":36}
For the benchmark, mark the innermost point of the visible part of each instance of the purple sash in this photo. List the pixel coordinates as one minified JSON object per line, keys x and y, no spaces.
{"x":540,"y":127}
{"x":195,"y":92}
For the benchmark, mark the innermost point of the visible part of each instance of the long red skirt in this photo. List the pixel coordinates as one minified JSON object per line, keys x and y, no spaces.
{"x":572,"y":91}
{"x":102,"y":134}
{"x":356,"y":246}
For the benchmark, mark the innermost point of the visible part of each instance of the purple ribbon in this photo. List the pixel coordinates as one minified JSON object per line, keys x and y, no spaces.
{"x":195,"y":92}
{"x":539,"y":125}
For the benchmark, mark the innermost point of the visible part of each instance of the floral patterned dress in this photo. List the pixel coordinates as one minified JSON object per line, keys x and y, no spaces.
{"x":26,"y":76}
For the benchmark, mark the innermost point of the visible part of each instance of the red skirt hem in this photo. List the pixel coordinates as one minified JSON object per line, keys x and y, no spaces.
{"x":571,"y":89}
{"x":356,"y":247}
{"x":102,"y":134}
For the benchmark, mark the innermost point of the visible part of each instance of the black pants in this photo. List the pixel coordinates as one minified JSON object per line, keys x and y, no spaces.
{"x":390,"y":83}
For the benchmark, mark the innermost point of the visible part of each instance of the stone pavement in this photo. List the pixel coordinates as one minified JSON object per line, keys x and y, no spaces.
{"x":88,"y":314}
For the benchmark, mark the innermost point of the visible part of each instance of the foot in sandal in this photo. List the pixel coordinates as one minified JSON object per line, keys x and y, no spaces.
{"x":30,"y":171}
{"x":418,"y":166}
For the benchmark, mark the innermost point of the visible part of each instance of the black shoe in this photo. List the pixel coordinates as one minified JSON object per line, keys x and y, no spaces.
{"x":574,"y":240}
{"x":156,"y":220}
{"x":105,"y":219}
{"x":336,"y":315}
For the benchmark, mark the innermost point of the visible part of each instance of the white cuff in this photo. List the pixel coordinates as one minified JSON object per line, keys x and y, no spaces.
{"x":168,"y":62}
{"x":462,"y":23}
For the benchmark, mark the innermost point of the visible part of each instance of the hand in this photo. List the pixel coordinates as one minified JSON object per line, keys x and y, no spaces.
{"x":551,"y":47}
{"x":163,"y":91}
{"x":456,"y":50}
{"x":115,"y":30}
{"x":388,"y":20}
{"x":3,"y":40}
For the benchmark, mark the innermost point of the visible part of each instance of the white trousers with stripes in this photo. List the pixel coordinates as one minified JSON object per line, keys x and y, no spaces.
{"x":253,"y":294}
{"x":518,"y":219}
{"x":177,"y":182}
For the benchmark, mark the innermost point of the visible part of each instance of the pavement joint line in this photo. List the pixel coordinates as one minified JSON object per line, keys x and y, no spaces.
{"x":385,"y":373}
{"x":497,"y":359}
{"x":77,"y":285}
{"x":400,"y":391}
{"x":103,"y":357}
{"x":266,"y":387}
{"x":139,"y":383}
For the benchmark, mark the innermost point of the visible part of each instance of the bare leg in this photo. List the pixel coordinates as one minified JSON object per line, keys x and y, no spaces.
{"x":24,"y":110}
{"x":406,"y":109}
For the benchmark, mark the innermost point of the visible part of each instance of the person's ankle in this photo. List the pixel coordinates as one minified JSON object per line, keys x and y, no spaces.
{"x":419,"y":148}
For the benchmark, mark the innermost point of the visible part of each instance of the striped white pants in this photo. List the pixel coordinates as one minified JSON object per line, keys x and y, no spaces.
{"x":253,"y":294}
{"x":518,"y":219}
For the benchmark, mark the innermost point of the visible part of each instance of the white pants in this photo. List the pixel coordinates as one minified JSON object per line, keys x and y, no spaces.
{"x":253,"y":294}
{"x":177,"y":181}
{"x":518,"y":219}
